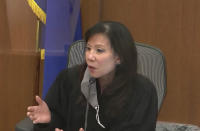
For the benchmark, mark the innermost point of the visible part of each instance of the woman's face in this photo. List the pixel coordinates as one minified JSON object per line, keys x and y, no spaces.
{"x":100,"y":57}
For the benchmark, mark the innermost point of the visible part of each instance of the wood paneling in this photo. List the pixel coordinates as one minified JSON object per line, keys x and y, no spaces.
{"x":19,"y":62}
{"x":4,"y":30}
{"x":22,"y":25}
{"x":90,"y":12}
{"x":18,"y":81}
{"x":174,"y":27}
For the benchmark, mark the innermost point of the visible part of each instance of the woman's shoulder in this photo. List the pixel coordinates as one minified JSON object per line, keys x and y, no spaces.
{"x":143,"y":84}
{"x":143,"y":80}
{"x":144,"y":92}
{"x":72,"y":71}
{"x":68,"y":75}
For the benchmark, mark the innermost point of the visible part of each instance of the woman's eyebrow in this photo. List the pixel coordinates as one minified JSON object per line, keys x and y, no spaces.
{"x":99,"y":46}
{"x":96,"y":45}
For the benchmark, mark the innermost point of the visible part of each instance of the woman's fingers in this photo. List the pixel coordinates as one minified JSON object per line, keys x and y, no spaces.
{"x":35,"y":121}
{"x":32,"y":112}
{"x":32,"y":108}
{"x":38,"y":100}
{"x":33,"y":118}
{"x":29,"y":114}
{"x":39,"y":113}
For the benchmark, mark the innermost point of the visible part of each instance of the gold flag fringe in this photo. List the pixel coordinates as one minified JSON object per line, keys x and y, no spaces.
{"x":37,"y":10}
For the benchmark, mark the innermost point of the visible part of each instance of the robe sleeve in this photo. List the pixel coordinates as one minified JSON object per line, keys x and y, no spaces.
{"x":56,"y":100}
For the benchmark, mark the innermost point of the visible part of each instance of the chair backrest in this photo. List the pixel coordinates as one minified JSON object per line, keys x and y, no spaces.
{"x":151,"y":63}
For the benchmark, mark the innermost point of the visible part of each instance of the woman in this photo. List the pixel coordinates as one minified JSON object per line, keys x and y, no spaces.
{"x":105,"y":94}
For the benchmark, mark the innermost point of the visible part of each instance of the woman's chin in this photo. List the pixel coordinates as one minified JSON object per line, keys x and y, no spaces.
{"x":94,"y":75}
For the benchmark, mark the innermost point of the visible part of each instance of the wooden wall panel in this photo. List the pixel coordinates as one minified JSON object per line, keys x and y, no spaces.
{"x":22,"y":25}
{"x":19,"y":62}
{"x":90,"y":12}
{"x":4,"y":30}
{"x":18,"y":80}
{"x":174,"y":27}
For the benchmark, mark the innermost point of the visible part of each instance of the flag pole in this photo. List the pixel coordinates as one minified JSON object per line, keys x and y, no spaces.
{"x":37,"y":35}
{"x":37,"y":49}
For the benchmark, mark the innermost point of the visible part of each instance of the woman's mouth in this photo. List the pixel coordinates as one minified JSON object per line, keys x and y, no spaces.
{"x":91,"y":68}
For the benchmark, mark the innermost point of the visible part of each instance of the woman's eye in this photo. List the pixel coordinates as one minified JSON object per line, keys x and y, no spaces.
{"x":87,"y":48}
{"x":100,"y":50}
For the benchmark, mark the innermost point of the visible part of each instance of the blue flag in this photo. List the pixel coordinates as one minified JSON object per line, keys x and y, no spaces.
{"x":39,"y":8}
{"x":60,"y":25}
{"x":63,"y":26}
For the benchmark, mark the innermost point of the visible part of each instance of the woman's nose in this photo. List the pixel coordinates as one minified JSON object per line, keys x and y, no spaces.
{"x":91,"y":56}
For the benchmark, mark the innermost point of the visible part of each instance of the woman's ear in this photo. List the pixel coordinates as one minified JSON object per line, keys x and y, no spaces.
{"x":117,"y":60}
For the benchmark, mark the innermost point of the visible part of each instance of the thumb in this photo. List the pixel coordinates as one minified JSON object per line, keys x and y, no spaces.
{"x":38,"y":100}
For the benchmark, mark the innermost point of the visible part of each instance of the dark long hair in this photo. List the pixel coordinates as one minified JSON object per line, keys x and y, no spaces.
{"x":123,"y":45}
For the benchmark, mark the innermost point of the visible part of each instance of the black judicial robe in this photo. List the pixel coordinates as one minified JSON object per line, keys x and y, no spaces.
{"x":139,"y":114}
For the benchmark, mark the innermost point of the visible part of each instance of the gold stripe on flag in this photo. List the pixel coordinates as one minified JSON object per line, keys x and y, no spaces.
{"x":37,"y":10}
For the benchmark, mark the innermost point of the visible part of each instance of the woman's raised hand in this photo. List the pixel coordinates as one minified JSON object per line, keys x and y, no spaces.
{"x":39,"y":113}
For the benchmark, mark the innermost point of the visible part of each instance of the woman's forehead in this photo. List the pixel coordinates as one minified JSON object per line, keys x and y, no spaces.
{"x":98,"y":40}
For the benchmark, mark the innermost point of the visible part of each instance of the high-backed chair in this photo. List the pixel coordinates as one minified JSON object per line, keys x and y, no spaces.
{"x":151,"y":63}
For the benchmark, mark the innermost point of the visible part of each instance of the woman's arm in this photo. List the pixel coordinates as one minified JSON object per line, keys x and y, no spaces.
{"x":56,"y":100}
